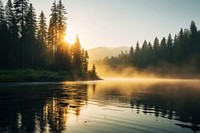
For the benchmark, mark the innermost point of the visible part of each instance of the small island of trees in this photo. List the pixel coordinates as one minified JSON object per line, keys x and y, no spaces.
{"x":31,"y":49}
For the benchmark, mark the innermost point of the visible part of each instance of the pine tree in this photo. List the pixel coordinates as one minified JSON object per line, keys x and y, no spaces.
{"x":156,"y":48}
{"x":178,"y":47}
{"x":170,"y":49}
{"x":194,"y":38}
{"x":93,"y":71}
{"x":163,"y":50}
{"x":194,"y":41}
{"x":84,"y":60}
{"x":149,"y":54}
{"x":21,"y":9}
{"x":61,"y":12}
{"x":186,"y":46}
{"x":131,"y":54}
{"x":42,"y":29}
{"x":143,"y":60}
{"x":137,"y":49}
{"x":30,"y":37}
{"x":76,"y":51}
{"x":136,"y":55}
{"x":61,"y":28}
{"x":30,"y":26}
{"x":52,"y":34}
{"x":11,"y":21}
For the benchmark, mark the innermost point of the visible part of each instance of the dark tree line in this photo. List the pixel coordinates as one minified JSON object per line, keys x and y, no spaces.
{"x":182,"y":50}
{"x":28,"y":42}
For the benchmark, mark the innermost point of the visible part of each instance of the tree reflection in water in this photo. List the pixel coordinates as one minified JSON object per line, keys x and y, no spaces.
{"x":49,"y":108}
{"x":40,"y":108}
{"x":67,"y":99}
{"x":170,"y":100}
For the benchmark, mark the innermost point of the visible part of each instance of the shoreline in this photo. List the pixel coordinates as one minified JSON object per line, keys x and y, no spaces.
{"x":31,"y":75}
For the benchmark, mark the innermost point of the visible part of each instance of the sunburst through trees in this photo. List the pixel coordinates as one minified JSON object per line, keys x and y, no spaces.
{"x":31,"y":43}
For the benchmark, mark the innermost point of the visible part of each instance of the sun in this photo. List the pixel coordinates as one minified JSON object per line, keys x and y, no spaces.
{"x":70,"y":37}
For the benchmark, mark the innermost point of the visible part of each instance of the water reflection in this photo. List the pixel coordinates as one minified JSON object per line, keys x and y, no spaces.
{"x":172,"y":100}
{"x":40,"y":108}
{"x":51,"y":108}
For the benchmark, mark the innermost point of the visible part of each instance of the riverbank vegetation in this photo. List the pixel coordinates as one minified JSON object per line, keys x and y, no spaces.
{"x":31,"y":75}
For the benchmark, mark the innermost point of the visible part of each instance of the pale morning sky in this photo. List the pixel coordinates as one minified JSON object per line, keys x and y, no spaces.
{"x":124,"y":22}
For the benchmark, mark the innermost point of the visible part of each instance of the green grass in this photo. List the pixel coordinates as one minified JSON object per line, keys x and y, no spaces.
{"x":30,"y":75}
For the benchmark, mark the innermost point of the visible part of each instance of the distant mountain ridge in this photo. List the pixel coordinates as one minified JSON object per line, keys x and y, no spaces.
{"x":102,"y":52}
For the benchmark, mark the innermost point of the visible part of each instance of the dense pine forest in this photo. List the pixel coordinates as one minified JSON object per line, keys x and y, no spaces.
{"x":181,"y":52}
{"x":28,"y":42}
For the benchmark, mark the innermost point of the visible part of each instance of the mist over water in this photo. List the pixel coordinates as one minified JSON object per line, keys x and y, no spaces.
{"x":112,"y":105}
{"x":164,"y":72}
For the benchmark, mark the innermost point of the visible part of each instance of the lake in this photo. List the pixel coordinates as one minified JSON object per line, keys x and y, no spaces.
{"x":107,"y":106}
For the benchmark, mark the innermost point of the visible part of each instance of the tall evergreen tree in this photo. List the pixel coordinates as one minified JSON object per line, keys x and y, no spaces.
{"x":143,"y":61}
{"x":62,"y":25}
{"x":30,"y":23}
{"x":61,"y":29}
{"x":11,"y":21}
{"x":137,"y":55}
{"x":52,"y":33}
{"x":178,"y":47}
{"x":156,"y":48}
{"x":76,"y":51}
{"x":84,"y":60}
{"x":42,"y":29}
{"x":137,"y":49}
{"x":93,"y":71}
{"x":30,"y":37}
{"x":163,"y":50}
{"x":170,"y":49}
{"x":131,"y":55}
{"x":194,"y":38}
{"x":195,"y":45}
{"x":21,"y":8}
{"x":149,"y":53}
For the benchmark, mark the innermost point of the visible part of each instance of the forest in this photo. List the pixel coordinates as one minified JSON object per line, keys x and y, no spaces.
{"x":27,"y":42}
{"x":181,"y":52}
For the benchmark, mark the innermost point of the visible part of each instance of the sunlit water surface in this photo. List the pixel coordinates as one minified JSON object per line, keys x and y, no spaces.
{"x":107,"y":106}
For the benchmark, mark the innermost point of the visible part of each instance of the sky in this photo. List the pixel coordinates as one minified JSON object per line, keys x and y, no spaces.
{"x":115,"y":23}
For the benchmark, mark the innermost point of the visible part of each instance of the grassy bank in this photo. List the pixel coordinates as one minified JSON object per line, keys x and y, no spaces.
{"x":30,"y":75}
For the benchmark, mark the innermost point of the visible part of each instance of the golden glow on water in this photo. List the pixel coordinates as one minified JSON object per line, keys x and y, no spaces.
{"x":151,"y":80}
{"x":112,"y":105}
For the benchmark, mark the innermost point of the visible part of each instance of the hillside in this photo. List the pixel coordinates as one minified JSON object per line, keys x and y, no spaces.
{"x":102,"y":52}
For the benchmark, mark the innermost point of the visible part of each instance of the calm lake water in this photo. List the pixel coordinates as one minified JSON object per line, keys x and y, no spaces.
{"x":107,"y":106}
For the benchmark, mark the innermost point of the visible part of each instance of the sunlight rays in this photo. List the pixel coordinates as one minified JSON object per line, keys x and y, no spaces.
{"x":70,"y":36}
